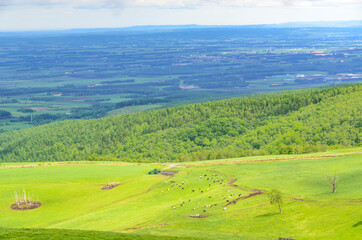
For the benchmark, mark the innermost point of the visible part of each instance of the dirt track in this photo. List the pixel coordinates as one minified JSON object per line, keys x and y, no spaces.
{"x":272,"y":159}
{"x":64,"y":164}
{"x":255,"y":192}
{"x":174,"y":165}
{"x":169,"y":167}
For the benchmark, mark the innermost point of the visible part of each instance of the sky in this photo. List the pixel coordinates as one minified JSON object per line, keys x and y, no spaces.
{"x":19,"y":15}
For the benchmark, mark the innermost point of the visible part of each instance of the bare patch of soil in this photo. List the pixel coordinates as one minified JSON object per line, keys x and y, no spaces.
{"x":25,"y":205}
{"x":110,"y":186}
{"x":198,"y":216}
{"x":153,"y":226}
{"x":64,"y":164}
{"x":134,"y":229}
{"x":255,"y":193}
{"x":169,"y":166}
{"x":274,"y":159}
{"x":298,"y":199}
{"x":168,"y":173}
{"x":233,"y":180}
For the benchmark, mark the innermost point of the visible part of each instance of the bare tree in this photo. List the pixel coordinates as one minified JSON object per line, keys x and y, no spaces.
{"x":332,"y":182}
{"x":276,"y":197}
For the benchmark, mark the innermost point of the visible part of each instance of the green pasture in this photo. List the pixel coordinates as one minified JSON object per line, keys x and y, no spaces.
{"x":156,"y":205}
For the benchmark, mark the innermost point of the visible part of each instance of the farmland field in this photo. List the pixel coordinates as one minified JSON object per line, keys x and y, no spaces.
{"x":52,"y":76}
{"x":156,"y":205}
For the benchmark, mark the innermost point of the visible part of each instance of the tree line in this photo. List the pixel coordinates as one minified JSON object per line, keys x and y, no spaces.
{"x":279,"y":123}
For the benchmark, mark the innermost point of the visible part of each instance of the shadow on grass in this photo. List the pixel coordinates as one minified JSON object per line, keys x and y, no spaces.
{"x":267,"y":215}
{"x":357,"y":224}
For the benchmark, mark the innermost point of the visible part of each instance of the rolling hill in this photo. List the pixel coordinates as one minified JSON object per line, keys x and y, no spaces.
{"x":223,"y":199}
{"x":302,"y":121}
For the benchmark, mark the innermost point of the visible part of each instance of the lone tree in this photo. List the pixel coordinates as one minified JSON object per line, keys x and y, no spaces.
{"x":332,"y":182}
{"x":276,"y":197}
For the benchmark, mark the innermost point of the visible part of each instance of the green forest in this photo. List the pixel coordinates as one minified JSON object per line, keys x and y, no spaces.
{"x":300,"y":121}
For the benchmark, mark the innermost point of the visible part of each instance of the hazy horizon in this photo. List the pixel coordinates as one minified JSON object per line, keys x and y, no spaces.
{"x":24,"y":15}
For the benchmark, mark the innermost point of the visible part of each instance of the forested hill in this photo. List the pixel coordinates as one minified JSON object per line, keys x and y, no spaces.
{"x":298,"y":122}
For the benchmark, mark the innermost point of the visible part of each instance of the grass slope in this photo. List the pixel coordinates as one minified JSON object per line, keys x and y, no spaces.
{"x":143,"y":204}
{"x":61,"y":234}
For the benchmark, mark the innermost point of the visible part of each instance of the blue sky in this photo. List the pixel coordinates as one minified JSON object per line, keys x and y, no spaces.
{"x":69,"y":14}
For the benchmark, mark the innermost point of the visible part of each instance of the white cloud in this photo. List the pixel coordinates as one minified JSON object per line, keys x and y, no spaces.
{"x":181,"y":3}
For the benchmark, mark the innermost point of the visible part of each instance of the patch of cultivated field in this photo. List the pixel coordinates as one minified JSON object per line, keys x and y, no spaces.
{"x":227,"y":200}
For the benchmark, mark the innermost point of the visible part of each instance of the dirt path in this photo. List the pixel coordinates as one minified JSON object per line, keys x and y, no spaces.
{"x":169,"y":167}
{"x":151,"y":226}
{"x":75,"y":163}
{"x":272,"y":159}
{"x":174,"y":165}
{"x":64,"y":164}
{"x":255,"y":192}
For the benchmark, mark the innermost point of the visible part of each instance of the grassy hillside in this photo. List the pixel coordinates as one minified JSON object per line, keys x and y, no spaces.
{"x":142,"y":204}
{"x":285,"y":123}
{"x":61,"y":234}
